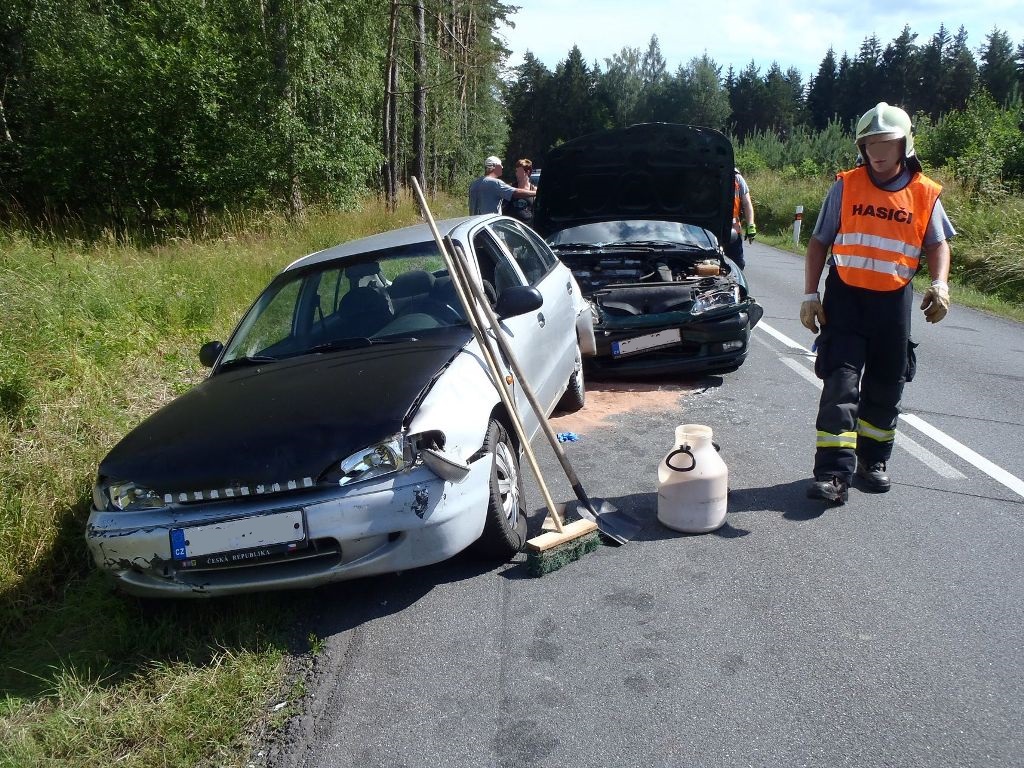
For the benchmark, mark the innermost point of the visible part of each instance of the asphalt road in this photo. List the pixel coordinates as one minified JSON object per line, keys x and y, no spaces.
{"x":887,"y":632}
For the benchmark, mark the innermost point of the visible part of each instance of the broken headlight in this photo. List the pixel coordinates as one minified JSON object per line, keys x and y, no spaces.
{"x":715,"y":299}
{"x":383,"y":458}
{"x":125,"y":496}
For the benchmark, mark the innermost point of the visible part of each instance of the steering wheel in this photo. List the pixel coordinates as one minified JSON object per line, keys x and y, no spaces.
{"x":444,"y":312}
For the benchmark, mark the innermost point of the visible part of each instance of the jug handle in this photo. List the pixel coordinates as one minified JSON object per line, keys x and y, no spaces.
{"x":685,"y":448}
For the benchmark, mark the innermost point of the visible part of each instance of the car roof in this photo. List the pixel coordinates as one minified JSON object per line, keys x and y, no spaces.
{"x":456,"y":228}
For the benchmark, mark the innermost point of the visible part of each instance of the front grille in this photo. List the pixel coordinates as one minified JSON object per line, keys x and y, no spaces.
{"x":236,"y":492}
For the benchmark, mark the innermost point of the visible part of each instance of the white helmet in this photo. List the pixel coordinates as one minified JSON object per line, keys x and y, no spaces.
{"x":887,"y":123}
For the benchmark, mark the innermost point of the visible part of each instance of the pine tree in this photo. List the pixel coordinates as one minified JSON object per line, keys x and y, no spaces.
{"x":960,"y":72}
{"x":900,"y":71}
{"x":998,"y":70}
{"x":530,"y":99}
{"x":822,"y":101}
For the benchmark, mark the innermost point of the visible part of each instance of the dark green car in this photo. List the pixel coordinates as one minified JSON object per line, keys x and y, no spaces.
{"x":640,"y":215}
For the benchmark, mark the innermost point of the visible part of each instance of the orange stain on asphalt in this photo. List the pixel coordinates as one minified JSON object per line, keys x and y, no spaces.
{"x":607,"y":400}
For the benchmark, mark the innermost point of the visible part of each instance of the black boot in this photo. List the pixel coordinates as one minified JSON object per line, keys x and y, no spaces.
{"x":829,"y":488}
{"x":873,"y":476}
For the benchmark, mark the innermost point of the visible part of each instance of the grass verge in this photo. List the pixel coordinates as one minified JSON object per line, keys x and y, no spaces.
{"x":95,"y":338}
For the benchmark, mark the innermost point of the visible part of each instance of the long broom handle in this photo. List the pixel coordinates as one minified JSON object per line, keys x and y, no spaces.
{"x":563,"y":459}
{"x":476,"y":325}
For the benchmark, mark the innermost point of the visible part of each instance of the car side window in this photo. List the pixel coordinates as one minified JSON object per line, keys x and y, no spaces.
{"x":329,"y":292}
{"x":535,"y":262}
{"x":543,"y":249}
{"x":495,"y":267}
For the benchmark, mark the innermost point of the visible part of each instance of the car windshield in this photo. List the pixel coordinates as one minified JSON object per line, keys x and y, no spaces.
{"x":634,"y":232}
{"x":383,"y":297}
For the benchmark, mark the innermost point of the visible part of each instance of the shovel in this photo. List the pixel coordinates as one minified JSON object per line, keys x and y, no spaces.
{"x":578,"y":529}
{"x":615,"y":524}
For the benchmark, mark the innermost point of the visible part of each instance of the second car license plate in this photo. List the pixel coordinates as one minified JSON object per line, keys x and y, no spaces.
{"x":246,"y":533}
{"x":646,"y":342}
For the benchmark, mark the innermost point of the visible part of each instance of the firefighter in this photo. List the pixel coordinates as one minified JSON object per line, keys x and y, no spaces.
{"x":742,"y":211}
{"x":879,"y":218}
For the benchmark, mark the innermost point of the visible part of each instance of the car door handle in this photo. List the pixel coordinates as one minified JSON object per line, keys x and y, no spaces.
{"x":540,"y":319}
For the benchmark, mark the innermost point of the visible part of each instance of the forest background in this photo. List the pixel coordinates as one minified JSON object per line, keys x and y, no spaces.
{"x":163,"y":116}
{"x":160,"y":160}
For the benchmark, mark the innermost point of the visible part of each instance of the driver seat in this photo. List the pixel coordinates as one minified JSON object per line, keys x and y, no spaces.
{"x":364,"y":311}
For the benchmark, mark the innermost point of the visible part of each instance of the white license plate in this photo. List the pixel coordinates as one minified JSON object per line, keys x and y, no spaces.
{"x":280,"y":528}
{"x":648,"y":341}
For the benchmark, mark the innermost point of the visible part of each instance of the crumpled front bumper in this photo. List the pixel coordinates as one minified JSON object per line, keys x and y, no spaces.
{"x":716,"y":342}
{"x":401,"y":522}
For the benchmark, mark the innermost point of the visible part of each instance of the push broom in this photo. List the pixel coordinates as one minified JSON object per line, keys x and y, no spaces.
{"x":618,"y":526}
{"x":569,"y":541}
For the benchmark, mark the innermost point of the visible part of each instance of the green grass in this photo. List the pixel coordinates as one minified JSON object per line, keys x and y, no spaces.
{"x":96,"y":336}
{"x":101,"y":680}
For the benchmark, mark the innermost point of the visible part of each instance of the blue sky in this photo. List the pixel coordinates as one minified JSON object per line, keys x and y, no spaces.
{"x":794,"y":34}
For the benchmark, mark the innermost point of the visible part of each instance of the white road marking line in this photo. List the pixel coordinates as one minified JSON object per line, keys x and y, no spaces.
{"x":802,"y":370}
{"x":994,"y":471}
{"x":926,"y":457}
{"x":782,"y":337}
{"x":910,"y":445}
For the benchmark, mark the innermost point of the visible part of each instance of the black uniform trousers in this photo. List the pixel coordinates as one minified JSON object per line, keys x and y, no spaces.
{"x":865,"y":355}
{"x":734,"y":250}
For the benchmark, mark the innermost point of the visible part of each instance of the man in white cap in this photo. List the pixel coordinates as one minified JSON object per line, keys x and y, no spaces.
{"x":487,"y":192}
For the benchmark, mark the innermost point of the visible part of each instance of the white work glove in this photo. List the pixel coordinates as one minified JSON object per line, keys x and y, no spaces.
{"x":811,"y":312}
{"x":936,"y":301}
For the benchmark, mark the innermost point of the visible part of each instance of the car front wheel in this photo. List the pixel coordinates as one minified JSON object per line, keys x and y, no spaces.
{"x":505,"y":528}
{"x":575,"y":396}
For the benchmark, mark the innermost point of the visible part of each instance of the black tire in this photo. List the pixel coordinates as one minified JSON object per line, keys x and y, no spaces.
{"x":575,"y":396}
{"x":505,"y":527}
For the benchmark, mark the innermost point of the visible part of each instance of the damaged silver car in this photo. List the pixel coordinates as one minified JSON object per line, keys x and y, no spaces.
{"x":349,"y":426}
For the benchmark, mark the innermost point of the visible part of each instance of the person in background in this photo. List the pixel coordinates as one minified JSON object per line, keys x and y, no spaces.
{"x":742,"y":211}
{"x":879,"y":218}
{"x":487,"y":193}
{"x":522,"y":207}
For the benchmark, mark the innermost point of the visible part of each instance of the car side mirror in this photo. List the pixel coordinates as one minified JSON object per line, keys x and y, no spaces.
{"x":209,"y":352}
{"x":518,"y":300}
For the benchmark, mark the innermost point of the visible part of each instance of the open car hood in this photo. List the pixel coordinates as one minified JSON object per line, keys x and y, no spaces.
{"x":647,"y":171}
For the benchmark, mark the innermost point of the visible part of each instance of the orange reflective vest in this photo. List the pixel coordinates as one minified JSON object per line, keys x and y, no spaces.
{"x":881,"y":233}
{"x":736,"y":205}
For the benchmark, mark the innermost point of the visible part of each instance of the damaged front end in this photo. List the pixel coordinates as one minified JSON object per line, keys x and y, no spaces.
{"x":378,"y":510}
{"x":684,"y":313}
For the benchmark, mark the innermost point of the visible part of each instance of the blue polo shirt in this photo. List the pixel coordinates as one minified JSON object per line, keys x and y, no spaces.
{"x":486,"y":194}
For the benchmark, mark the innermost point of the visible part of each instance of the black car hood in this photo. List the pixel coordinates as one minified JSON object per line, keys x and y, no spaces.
{"x":281,"y":422}
{"x":648,"y":171}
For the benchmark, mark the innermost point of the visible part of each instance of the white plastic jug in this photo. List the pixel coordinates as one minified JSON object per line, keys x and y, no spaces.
{"x":693,"y":482}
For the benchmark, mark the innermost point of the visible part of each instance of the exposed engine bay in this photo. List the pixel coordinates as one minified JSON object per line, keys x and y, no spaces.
{"x":629,"y":284}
